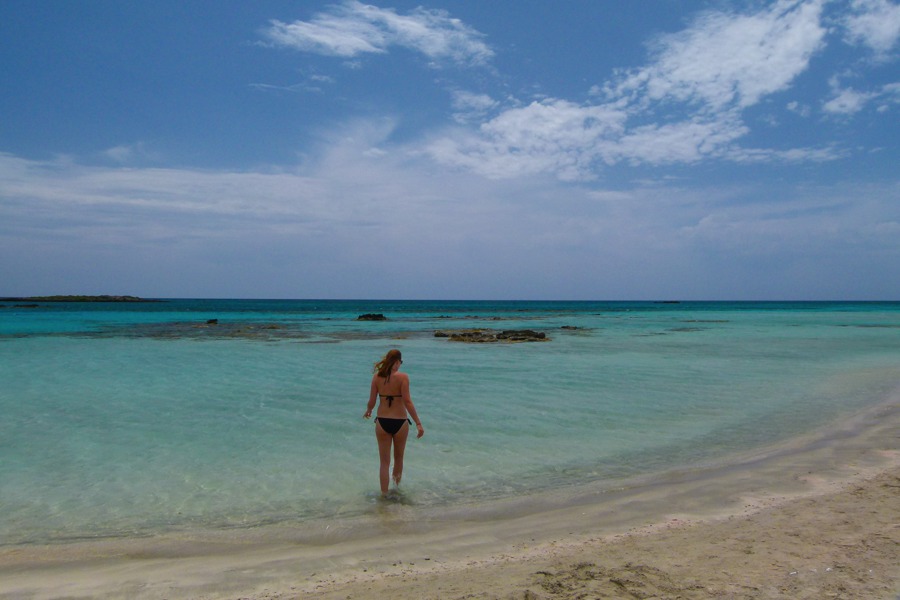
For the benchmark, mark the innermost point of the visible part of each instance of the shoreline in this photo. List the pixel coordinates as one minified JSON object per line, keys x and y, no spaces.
{"x":836,"y":484}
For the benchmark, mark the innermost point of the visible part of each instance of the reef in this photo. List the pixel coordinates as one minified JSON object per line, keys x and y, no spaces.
{"x":489,"y":336}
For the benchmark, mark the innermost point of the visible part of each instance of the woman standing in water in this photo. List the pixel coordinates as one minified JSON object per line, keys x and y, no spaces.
{"x":392,"y":421}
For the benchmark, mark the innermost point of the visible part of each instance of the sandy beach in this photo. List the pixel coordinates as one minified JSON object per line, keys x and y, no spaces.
{"x":820,"y":519}
{"x":839,"y":544}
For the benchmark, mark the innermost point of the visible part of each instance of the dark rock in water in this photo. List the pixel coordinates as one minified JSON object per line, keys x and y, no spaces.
{"x":522,"y":335}
{"x":212,"y":322}
{"x":371,"y":317}
{"x":476,"y":336}
{"x":490,"y":336}
{"x":26,"y":305}
{"x":569,"y":327}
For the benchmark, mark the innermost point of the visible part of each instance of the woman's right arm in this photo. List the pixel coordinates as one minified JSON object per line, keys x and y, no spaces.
{"x":411,"y":408}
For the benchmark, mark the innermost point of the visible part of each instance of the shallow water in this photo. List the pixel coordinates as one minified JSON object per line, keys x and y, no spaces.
{"x":133,"y":419}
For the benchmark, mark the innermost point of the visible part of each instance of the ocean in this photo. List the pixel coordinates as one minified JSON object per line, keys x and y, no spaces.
{"x":123,"y":420}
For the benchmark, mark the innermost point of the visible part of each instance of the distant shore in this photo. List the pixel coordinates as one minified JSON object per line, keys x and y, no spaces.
{"x":102,"y":298}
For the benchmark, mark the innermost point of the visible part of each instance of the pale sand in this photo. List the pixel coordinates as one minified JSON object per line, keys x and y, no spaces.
{"x":843,"y":544}
{"x":820,"y":519}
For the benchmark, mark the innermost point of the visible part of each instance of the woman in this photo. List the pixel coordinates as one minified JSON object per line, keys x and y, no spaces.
{"x":392,"y":422}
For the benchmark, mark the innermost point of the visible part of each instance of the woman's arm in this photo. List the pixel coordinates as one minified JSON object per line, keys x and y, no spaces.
{"x":410,"y":407}
{"x":373,"y":393}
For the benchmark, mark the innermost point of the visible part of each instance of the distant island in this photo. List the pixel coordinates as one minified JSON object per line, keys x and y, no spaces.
{"x":103,"y":298}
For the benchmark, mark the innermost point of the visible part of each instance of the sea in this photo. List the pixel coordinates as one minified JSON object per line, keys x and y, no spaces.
{"x":124,"y":420}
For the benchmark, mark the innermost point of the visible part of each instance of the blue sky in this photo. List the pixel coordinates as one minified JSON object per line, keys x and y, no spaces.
{"x":587,"y":149}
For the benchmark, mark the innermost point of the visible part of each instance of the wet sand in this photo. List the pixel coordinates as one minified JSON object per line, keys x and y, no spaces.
{"x":817,"y":519}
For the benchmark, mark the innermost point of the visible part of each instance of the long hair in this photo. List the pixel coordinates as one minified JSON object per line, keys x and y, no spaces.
{"x":385,"y":366}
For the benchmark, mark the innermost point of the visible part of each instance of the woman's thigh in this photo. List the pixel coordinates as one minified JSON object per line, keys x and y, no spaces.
{"x":400,"y":440}
{"x":384,"y":442}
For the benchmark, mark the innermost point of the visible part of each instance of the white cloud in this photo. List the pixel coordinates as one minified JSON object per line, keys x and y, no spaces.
{"x":686,"y":105}
{"x":325,"y":230}
{"x":725,"y":60}
{"x":792,"y":155}
{"x":120,"y":153}
{"x":471,"y":107}
{"x":551,"y":136}
{"x":801,"y":109}
{"x":890,"y":95}
{"x":847,"y":101}
{"x":816,"y":221}
{"x":128,"y":153}
{"x":874,"y":23}
{"x":684,"y":142}
{"x":354,"y":28}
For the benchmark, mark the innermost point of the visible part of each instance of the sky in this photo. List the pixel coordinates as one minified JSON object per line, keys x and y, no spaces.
{"x":450,"y":149}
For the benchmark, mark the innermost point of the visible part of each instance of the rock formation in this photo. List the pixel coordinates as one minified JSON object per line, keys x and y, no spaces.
{"x":489,"y":336}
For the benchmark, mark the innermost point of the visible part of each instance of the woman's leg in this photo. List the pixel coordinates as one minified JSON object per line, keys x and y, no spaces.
{"x":384,"y":456}
{"x":399,"y":449}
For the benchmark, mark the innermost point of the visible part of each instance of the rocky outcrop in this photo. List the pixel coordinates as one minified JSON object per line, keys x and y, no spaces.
{"x":371,"y":317}
{"x":490,"y":336}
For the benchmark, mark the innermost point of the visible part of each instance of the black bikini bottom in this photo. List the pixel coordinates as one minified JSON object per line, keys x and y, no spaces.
{"x":391,"y":426}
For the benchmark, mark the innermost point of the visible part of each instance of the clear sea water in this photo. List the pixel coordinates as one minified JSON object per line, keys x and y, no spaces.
{"x":124,"y":420}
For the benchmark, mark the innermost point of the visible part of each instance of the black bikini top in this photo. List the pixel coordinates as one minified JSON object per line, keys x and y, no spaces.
{"x":390,"y":399}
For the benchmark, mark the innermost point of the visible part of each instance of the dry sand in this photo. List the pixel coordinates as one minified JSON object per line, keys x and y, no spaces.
{"x":841,"y":544}
{"x":818,"y":520}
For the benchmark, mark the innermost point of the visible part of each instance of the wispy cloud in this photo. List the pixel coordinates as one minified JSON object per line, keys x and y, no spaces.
{"x":353,"y":28}
{"x":848,"y":101}
{"x":128,"y":153}
{"x":551,"y":136}
{"x":319,"y":225}
{"x":728,"y":60}
{"x":874,"y":23}
{"x":685,"y":105}
{"x":471,"y":107}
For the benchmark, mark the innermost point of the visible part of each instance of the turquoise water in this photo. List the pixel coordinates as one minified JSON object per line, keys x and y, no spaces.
{"x":134,"y":419}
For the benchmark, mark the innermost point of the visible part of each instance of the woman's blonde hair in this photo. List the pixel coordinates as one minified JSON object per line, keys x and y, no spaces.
{"x":385,"y":366}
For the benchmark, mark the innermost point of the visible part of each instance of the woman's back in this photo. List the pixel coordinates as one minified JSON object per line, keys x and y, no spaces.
{"x":391,"y":390}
